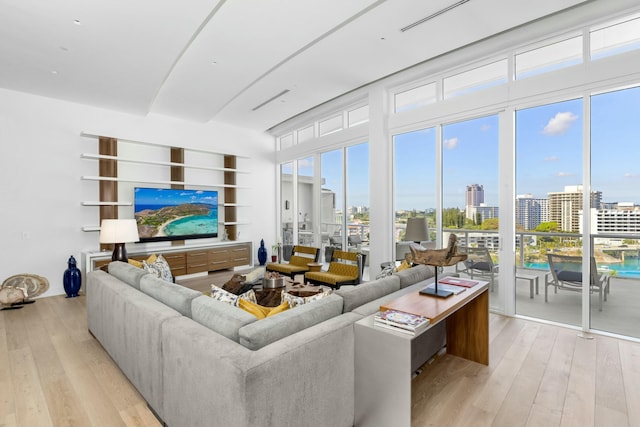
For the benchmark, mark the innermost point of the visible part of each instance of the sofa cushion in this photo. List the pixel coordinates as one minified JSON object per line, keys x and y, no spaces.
{"x":175,"y":296}
{"x":127,"y":273}
{"x":259,"y":334}
{"x":374,"y":306}
{"x":355,"y":296}
{"x":220,"y":317}
{"x":296,"y":300}
{"x":414,"y":274}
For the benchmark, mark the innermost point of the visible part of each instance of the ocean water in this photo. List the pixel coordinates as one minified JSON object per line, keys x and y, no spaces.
{"x":196,"y":224}
{"x":630,"y":268}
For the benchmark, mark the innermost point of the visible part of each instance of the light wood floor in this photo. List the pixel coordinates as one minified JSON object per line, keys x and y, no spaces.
{"x":54,"y":373}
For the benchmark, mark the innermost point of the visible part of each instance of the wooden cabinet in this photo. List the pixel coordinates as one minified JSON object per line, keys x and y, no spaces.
{"x":240,"y":255}
{"x":197,"y":261}
{"x":188,"y":261}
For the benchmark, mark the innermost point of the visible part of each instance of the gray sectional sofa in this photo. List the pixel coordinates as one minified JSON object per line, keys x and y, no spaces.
{"x":201,"y":362}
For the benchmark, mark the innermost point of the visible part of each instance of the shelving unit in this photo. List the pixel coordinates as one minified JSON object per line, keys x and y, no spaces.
{"x":108,"y":178}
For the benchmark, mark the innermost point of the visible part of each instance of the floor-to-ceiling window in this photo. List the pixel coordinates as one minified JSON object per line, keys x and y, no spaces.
{"x":615,"y":224}
{"x":306,"y":202}
{"x":414,"y":186}
{"x":331,"y":199}
{"x":470,"y":189}
{"x":357,"y":196}
{"x":549,"y":198}
{"x":287,"y":208}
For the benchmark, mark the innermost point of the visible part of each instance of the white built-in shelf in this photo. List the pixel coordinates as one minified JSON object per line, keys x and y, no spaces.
{"x":150,"y":162}
{"x":235,"y":223}
{"x":107,"y":204}
{"x":98,"y":135}
{"x":188,"y":184}
{"x":237,"y":205}
{"x":91,"y":228}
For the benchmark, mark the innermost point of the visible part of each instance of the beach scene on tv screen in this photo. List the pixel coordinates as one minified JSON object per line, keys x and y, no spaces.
{"x":166,"y":213}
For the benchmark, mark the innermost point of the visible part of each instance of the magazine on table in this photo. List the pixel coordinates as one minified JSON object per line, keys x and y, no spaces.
{"x":400,"y":320}
{"x":456,"y":281}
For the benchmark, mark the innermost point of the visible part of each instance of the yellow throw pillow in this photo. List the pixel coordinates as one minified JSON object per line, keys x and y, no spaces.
{"x":152,"y":258}
{"x":135,"y":263}
{"x":259,"y":311}
{"x":403,"y":266}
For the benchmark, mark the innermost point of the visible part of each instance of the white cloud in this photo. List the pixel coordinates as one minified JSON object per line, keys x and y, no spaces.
{"x":451,"y":143}
{"x":551,"y":159}
{"x":631,"y":175}
{"x":564,"y":174}
{"x":560,"y":123}
{"x":485,"y":128}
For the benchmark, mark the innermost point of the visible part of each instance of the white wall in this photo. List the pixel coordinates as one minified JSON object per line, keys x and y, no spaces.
{"x":41,"y":190}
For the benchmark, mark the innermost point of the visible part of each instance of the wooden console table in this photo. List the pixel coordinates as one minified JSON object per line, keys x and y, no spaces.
{"x":384,"y":358}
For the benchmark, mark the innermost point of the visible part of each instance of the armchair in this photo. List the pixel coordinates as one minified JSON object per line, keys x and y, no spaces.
{"x":478,"y":263}
{"x":301,"y":256}
{"x":566,"y":274}
{"x":345,"y":268}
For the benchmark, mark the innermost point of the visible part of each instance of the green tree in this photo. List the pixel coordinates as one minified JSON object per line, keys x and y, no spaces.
{"x":490,"y":224}
{"x":547,"y":227}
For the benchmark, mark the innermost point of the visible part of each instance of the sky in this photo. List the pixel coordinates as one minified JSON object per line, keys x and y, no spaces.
{"x":549,"y":140}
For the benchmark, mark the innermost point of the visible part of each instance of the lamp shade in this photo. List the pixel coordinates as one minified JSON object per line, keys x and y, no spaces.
{"x":417,"y":230}
{"x":118,"y":231}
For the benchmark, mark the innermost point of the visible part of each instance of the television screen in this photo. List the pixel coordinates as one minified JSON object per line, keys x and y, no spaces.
{"x":171,"y":214}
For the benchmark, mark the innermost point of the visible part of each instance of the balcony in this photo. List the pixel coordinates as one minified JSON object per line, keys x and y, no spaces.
{"x":616,"y":255}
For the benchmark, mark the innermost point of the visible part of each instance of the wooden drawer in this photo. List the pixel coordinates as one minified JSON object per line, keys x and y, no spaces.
{"x":197,"y":261}
{"x":240,"y":255}
{"x":219,"y":259}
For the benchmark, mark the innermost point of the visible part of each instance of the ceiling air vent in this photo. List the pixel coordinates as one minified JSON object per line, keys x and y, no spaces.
{"x":433,"y":15}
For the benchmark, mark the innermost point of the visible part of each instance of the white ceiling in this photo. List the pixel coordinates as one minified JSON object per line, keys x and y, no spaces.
{"x":217,"y":60}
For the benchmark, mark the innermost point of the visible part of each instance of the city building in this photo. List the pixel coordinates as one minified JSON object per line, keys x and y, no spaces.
{"x":565,"y":207}
{"x":474,"y":198}
{"x":530,"y":211}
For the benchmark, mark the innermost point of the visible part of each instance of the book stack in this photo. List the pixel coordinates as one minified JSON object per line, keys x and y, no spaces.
{"x":399,"y":321}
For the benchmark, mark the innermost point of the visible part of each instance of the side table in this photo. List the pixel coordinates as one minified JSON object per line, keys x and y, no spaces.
{"x":314,"y":266}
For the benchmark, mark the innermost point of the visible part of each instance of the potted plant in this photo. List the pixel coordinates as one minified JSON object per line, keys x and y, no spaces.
{"x":275,"y":250}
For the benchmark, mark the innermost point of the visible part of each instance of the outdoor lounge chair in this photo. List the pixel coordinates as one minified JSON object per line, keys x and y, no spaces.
{"x":301,"y":256}
{"x":566,"y":274}
{"x":478,"y":264}
{"x":345,"y":268}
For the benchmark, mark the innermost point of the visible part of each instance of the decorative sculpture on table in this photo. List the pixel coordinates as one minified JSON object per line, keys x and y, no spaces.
{"x":438,"y":258}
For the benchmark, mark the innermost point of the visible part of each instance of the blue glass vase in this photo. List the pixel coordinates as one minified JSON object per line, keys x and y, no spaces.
{"x":262,"y":253}
{"x":72,"y":279}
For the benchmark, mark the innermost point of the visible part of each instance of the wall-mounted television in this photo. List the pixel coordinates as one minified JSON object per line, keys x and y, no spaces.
{"x":172,"y":214}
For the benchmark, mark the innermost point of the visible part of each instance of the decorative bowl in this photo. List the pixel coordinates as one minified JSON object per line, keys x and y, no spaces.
{"x":273,"y":283}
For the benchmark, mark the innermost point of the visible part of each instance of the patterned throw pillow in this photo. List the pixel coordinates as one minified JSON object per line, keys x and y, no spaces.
{"x":220,"y":294}
{"x":294,"y":300}
{"x":160,"y":267}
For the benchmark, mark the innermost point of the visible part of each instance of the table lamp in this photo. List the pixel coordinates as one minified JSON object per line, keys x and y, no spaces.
{"x":417,"y":230}
{"x":119,"y":232}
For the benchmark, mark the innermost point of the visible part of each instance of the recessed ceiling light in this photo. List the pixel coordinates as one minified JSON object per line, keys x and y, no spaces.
{"x":54,"y":72}
{"x":64,"y":49}
{"x":77,"y":22}
{"x":214,"y":62}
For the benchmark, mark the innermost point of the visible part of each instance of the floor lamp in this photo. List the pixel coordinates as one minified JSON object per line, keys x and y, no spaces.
{"x":119,"y":232}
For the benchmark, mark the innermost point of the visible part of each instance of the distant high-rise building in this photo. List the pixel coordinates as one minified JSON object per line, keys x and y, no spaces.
{"x":475,"y":197}
{"x":530,"y":212}
{"x":565,"y":207}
